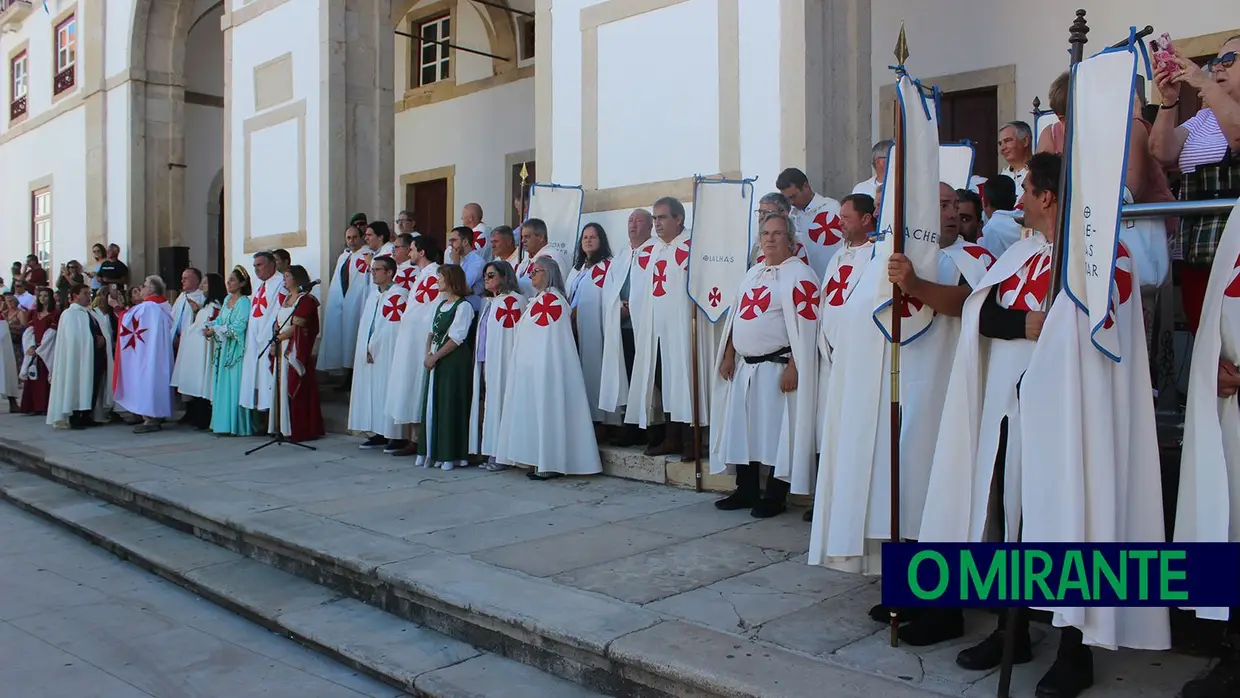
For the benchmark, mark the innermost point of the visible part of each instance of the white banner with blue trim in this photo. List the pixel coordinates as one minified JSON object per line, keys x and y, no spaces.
{"x":559,"y":207}
{"x":719,"y":242}
{"x":921,"y":211}
{"x":956,"y":163}
{"x":1097,"y":275}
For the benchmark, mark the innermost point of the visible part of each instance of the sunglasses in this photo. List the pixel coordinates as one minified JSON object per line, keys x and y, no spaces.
{"x":492,"y":275}
{"x":1226,"y":61}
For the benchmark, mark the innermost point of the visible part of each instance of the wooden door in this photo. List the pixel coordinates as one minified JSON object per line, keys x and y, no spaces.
{"x":973,"y":115}
{"x":429,"y":203}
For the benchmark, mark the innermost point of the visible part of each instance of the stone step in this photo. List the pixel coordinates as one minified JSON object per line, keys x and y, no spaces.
{"x":406,"y":655}
{"x":605,"y":645}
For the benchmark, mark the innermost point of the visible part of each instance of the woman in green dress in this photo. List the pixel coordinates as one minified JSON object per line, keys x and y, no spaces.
{"x":443,"y":431}
{"x":227,"y":335}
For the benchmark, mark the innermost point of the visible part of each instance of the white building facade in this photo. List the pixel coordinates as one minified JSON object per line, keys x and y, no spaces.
{"x":201,"y":131}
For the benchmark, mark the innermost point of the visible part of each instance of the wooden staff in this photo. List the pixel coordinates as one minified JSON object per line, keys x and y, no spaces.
{"x":697,"y":401}
{"x":897,"y":302}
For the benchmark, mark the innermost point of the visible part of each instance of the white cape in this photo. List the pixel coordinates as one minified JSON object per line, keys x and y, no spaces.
{"x":191,"y":374}
{"x":545,"y":421}
{"x":10,"y":382}
{"x":257,"y":380}
{"x":342,"y":312}
{"x":613,"y":391}
{"x":408,"y":372}
{"x":143,"y":374}
{"x":72,"y":383}
{"x":501,"y":315}
{"x":585,"y":289}
{"x":381,"y":318}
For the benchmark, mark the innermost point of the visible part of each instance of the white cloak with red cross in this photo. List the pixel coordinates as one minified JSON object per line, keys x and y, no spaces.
{"x":662,"y":335}
{"x":820,"y":230}
{"x":614,"y":377}
{"x":257,"y":380}
{"x":585,"y":293}
{"x":545,"y":421}
{"x":408,"y":374}
{"x":143,"y":366}
{"x":852,"y":502}
{"x":501,"y":315}
{"x":845,"y":269}
{"x":800,"y":252}
{"x":980,"y":394}
{"x":482,"y":241}
{"x":381,"y":320}
{"x":1090,"y":452}
{"x":525,"y":269}
{"x":775,"y":307}
{"x":1209,"y":498}
{"x":406,"y":275}
{"x":343,"y":309}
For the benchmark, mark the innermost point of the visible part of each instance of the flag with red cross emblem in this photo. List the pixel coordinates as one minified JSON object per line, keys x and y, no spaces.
{"x":717,"y":254}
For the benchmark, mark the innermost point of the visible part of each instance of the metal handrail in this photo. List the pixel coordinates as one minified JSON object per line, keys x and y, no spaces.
{"x":1172,"y":209}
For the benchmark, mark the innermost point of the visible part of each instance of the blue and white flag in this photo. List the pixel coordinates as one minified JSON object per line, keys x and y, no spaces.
{"x":956,"y":164}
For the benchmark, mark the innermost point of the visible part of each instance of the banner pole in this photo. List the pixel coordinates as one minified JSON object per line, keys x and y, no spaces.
{"x":897,"y":303}
{"x":697,"y":401}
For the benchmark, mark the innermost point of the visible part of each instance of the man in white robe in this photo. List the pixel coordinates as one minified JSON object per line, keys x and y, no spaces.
{"x":375,"y":236}
{"x":345,"y":294}
{"x":82,"y":361}
{"x":664,"y":356}
{"x":408,"y":375}
{"x":852,"y":504}
{"x":769,"y":204}
{"x":816,"y":217}
{"x":1090,"y":470}
{"x":846,"y":267}
{"x":402,"y":251}
{"x":504,"y":246}
{"x":1209,"y":495}
{"x":257,"y":380}
{"x":619,"y":309}
{"x":765,"y":378}
{"x":187,"y":304}
{"x":471,"y":217}
{"x":143,"y":373}
{"x":534,"y":240}
{"x":376,"y":340}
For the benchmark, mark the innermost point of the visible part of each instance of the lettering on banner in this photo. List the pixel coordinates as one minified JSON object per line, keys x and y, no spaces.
{"x":718,"y":259}
{"x":923,"y":235}
{"x":1091,"y":269}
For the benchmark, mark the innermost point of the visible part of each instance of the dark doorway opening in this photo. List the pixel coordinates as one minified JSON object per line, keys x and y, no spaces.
{"x":429,"y":203}
{"x":973,"y":115}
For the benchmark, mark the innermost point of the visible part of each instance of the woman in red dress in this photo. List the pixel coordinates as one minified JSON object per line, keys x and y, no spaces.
{"x":38,"y":342}
{"x":298,"y":415}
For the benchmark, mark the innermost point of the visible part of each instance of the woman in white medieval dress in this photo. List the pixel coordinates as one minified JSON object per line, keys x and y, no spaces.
{"x":497,"y":330}
{"x":585,"y":296}
{"x":546,"y":415}
{"x":192,"y":374}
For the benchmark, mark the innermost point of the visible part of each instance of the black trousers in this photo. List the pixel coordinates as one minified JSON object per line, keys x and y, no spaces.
{"x":748,"y":479}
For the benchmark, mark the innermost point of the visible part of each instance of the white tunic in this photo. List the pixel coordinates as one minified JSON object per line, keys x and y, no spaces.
{"x":404,"y":404}
{"x":73,"y":380}
{"x":614,"y":381}
{"x":256,"y":376}
{"x":482,"y":241}
{"x":342,"y":312}
{"x":546,"y":418}
{"x":183,"y":313}
{"x":376,"y":338}
{"x":585,"y":289}
{"x":491,"y":367}
{"x":192,"y":374}
{"x":820,"y":229}
{"x":144,"y":361}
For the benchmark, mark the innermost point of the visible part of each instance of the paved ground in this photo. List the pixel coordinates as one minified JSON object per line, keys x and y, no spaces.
{"x":667,"y":550}
{"x":76,"y":621}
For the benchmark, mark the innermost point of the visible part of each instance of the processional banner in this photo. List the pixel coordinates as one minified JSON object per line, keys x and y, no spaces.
{"x":920,"y":161}
{"x":956,"y":164}
{"x":719,"y":242}
{"x":559,"y":207}
{"x":1097,"y":277}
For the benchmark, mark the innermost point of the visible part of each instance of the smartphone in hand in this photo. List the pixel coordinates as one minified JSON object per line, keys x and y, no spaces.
{"x":1164,"y":54}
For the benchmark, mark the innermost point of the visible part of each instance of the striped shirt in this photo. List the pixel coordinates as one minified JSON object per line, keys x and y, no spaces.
{"x":1206,"y":143}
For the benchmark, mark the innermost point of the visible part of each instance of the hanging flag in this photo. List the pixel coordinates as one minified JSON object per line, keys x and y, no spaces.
{"x":719,"y":243}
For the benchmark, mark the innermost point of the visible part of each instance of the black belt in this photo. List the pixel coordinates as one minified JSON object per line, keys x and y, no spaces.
{"x":779,"y":356}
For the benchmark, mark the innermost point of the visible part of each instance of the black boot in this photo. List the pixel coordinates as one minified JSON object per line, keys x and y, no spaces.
{"x":988,"y":654}
{"x":1223,"y":681}
{"x":932,"y":626}
{"x":746,"y":494}
{"x":1073,"y":670}
{"x":775,"y":501}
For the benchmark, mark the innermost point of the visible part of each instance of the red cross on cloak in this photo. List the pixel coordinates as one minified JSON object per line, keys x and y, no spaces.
{"x":394,"y":308}
{"x":981,"y":253}
{"x":755,"y":302}
{"x":598,"y":273}
{"x":547,"y":310}
{"x":659,"y":278}
{"x":131,"y":334}
{"x":480,"y":239}
{"x":507,"y":314}
{"x":805,"y":300}
{"x":826,"y":229}
{"x":362,"y":263}
{"x":260,"y":303}
{"x":910,"y":305}
{"x":405,"y":277}
{"x":837,"y":285}
{"x":1233,"y":288}
{"x":643,"y":256}
{"x":1026,"y":290}
{"x":1121,"y":287}
{"x":682,"y":254}
{"x":428,"y":290}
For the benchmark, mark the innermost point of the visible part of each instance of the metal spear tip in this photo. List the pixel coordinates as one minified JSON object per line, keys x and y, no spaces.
{"x":901,"y":51}
{"x":524,"y":172}
{"x":1037,"y":103}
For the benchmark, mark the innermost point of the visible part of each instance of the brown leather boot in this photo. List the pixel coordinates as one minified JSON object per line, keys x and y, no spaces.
{"x":672,"y":441}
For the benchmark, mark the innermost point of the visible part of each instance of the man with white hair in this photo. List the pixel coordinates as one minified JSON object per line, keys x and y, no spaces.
{"x":143,"y":365}
{"x":620,"y":306}
{"x":471,"y":217}
{"x":1016,"y":145}
{"x":878,"y":160}
{"x":534,"y":240}
{"x":770,"y":204}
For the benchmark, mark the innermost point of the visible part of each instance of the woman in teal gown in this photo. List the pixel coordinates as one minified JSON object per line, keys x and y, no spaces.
{"x":227,"y":333}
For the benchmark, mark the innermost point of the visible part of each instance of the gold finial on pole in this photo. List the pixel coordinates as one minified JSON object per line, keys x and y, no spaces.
{"x":525,"y":173}
{"x":901,"y":46}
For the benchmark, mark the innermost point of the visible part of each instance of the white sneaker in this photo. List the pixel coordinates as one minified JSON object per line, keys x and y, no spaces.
{"x":420,"y":462}
{"x":446,"y":465}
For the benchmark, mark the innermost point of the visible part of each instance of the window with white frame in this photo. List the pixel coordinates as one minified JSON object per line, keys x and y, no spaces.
{"x":433,"y":55}
{"x":66,"y":44}
{"x":19,"y":72}
{"x":41,"y":225}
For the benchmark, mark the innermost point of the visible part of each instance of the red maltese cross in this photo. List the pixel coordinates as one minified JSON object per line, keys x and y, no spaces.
{"x":132,"y":334}
{"x":480,"y":239}
{"x":362,"y":264}
{"x":1121,"y":287}
{"x":405,"y":278}
{"x":281,"y":297}
{"x":260,"y":304}
{"x":643,"y":256}
{"x":755,"y":302}
{"x":826,"y":230}
{"x":837,"y":286}
{"x":715,"y":297}
{"x":910,"y":305}
{"x":805,"y":300}
{"x":394,"y":308}
{"x":599,"y":273}
{"x":659,"y":278}
{"x":981,"y":253}
{"x":547,"y":310}
{"x":1026,"y":290}
{"x":682,"y":255}
{"x":507,"y":314}
{"x":428,"y":290}
{"x":1233,"y":288}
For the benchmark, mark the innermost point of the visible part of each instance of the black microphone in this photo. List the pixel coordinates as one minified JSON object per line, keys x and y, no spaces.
{"x":310,"y":286}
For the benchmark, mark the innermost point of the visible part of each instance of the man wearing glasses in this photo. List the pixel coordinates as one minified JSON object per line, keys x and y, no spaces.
{"x":406,"y":223}
{"x":770,"y":205}
{"x":406,"y":272}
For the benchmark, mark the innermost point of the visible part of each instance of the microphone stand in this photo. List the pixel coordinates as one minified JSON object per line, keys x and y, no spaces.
{"x":278,"y":437}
